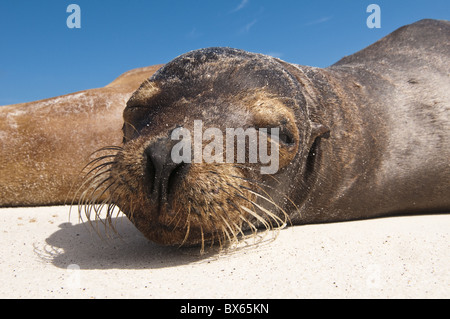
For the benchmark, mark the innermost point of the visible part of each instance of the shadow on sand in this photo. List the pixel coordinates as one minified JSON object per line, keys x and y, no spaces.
{"x":89,"y":248}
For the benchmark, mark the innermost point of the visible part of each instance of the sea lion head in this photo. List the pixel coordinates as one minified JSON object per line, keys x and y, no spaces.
{"x":214,"y":199}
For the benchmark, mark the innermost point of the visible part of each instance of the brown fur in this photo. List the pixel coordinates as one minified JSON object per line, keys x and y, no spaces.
{"x":45,"y":144}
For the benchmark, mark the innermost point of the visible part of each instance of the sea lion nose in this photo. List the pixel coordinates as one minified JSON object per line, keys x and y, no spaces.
{"x":161,"y":171}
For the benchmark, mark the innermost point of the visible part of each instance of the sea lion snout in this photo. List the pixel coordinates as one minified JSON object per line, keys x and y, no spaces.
{"x":162,"y":173}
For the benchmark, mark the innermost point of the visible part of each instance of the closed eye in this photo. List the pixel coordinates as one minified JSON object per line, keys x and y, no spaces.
{"x":284,"y":135}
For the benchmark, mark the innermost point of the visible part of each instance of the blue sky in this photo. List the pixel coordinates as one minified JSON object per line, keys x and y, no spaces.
{"x":41,"y":57}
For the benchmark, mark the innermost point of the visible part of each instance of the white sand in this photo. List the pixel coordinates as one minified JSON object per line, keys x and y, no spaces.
{"x":382,"y":258}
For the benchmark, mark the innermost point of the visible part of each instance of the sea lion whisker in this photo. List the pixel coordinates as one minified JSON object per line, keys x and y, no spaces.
{"x":98,"y":159}
{"x":100,"y":187}
{"x":187,"y":217}
{"x":250,"y":224}
{"x":224,"y":229}
{"x":258,"y":184}
{"x":241,"y":215}
{"x":89,"y":206}
{"x":187,"y":231}
{"x":202,"y":249}
{"x":271,"y":201}
{"x":110,"y":147}
{"x":219,"y":238}
{"x":130,"y":213}
{"x":133,"y":127}
{"x":225,"y":236}
{"x":259,"y":218}
{"x":174,"y":218}
{"x":107,"y":221}
{"x":232,"y":231}
{"x":236,"y":228}
{"x":93,"y":181}
{"x":81,"y":178}
{"x":87,"y":181}
{"x":107,"y":148}
{"x":111,"y":208}
{"x":213,"y":234}
{"x":83,"y":203}
{"x":93,"y":184}
{"x":98,"y":168}
{"x":109,"y":214}
{"x":274,"y":217}
{"x":267,"y":225}
{"x":109,"y":218}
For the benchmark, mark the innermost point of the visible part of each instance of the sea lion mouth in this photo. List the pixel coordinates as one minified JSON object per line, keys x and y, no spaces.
{"x":195,"y":204}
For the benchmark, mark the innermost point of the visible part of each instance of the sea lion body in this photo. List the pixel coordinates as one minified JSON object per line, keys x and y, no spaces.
{"x":365,"y":137}
{"x":44,"y":145}
{"x":388,"y":110}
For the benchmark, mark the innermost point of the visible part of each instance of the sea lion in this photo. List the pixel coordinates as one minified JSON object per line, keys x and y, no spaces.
{"x":44,"y":145}
{"x":365,"y":137}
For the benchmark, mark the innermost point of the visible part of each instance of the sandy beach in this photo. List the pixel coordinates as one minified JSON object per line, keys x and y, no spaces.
{"x":46,"y":254}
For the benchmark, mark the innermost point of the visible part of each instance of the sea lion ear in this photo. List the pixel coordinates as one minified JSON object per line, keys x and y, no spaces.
{"x":318,"y":130}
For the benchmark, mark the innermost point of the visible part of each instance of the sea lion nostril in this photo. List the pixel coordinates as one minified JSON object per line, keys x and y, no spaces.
{"x":149,"y":174}
{"x":178,"y":172}
{"x":160,"y":169}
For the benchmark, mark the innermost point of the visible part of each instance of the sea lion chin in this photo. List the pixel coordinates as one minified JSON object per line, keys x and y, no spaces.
{"x":343,"y":151}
